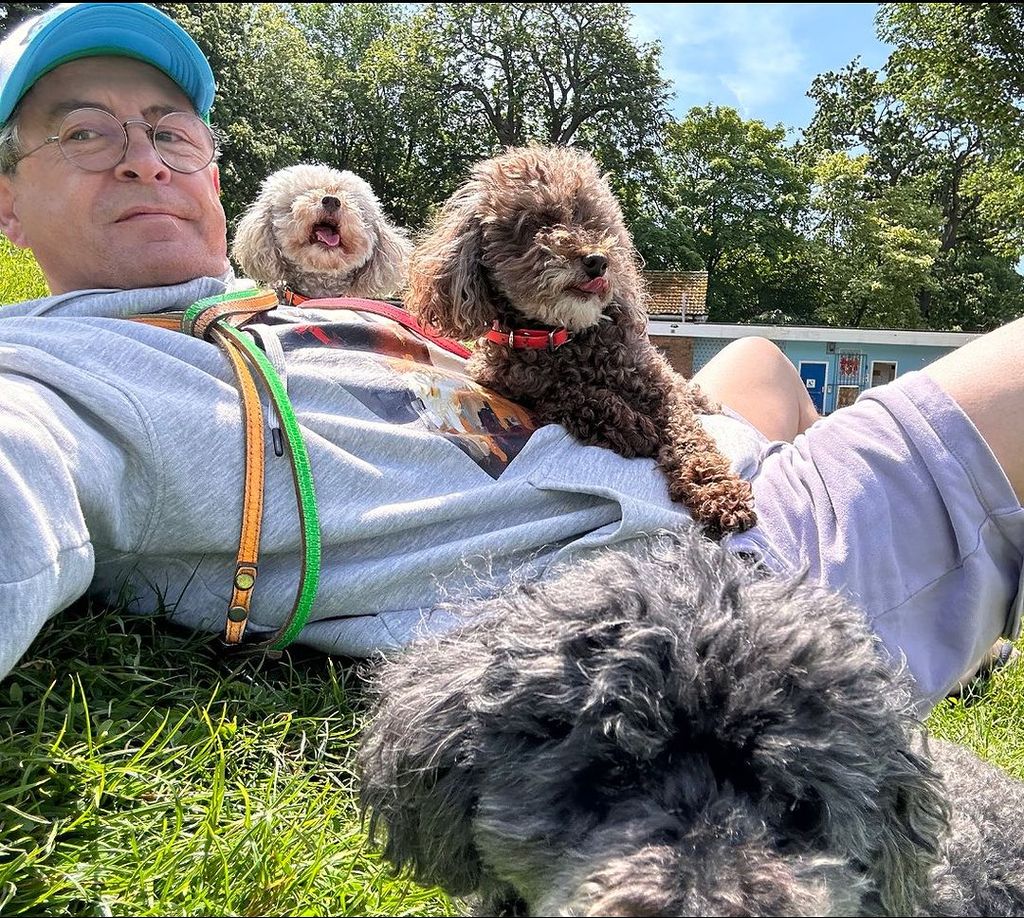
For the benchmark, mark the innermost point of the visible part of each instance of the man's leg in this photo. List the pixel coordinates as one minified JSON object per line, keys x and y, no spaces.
{"x":754,"y":378}
{"x":986,"y":378}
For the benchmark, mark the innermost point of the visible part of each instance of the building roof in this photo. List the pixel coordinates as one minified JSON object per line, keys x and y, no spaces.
{"x":681,"y":295}
{"x":674,"y":328}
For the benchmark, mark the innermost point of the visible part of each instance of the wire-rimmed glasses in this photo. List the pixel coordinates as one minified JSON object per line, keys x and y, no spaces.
{"x":94,"y":140}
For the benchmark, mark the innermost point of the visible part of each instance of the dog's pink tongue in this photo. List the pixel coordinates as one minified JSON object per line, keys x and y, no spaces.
{"x":328,"y":236}
{"x":597,"y":285}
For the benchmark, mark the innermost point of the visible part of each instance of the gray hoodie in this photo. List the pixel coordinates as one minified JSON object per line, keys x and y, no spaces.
{"x":121,"y":454}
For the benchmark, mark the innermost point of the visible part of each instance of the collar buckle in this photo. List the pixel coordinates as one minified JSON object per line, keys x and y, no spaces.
{"x":528,"y":338}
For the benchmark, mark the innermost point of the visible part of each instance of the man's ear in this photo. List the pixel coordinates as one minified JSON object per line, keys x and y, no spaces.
{"x":216,"y":179}
{"x":10,"y":225}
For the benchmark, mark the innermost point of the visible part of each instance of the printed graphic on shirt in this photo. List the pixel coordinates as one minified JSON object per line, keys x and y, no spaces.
{"x":421,"y":384}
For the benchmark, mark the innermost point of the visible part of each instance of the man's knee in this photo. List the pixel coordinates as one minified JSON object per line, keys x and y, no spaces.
{"x":755,"y":377}
{"x":750,"y":357}
{"x":764,"y":353}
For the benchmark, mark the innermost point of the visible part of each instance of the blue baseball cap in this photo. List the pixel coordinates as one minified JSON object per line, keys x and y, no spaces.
{"x":73,"y":30}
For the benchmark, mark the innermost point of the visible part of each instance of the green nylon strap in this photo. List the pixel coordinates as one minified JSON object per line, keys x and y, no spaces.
{"x":302,"y":472}
{"x":199,"y":306}
{"x":304,"y":489}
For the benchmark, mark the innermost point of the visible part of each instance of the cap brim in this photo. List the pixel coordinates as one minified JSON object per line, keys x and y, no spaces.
{"x":119,"y":29}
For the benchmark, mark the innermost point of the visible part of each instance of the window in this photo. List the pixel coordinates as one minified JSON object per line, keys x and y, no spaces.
{"x":882,"y":372}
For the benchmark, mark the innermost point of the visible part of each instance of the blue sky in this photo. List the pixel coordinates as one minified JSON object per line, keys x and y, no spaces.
{"x":757,"y":58}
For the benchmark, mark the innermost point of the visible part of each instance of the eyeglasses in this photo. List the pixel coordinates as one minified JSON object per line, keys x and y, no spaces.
{"x":94,"y":140}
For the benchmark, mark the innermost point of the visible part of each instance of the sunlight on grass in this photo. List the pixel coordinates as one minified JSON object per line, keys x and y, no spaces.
{"x":141,"y":774}
{"x":991,"y":722}
{"x":20,"y":277}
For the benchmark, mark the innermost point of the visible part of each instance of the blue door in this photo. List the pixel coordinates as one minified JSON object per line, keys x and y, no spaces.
{"x":813,"y":375}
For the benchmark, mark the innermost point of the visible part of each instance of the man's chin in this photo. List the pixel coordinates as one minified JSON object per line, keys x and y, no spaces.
{"x":163,"y":272}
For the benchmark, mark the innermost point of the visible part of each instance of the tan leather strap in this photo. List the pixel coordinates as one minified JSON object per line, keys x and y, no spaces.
{"x":247,"y":558}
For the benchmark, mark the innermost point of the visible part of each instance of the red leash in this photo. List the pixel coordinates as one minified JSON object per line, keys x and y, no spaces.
{"x":378,"y":308}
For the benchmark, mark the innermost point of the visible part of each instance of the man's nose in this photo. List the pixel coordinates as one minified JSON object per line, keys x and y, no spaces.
{"x":141,"y":161}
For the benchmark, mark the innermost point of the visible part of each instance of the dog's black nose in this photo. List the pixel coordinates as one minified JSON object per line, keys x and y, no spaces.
{"x":595,"y":265}
{"x":330,"y":202}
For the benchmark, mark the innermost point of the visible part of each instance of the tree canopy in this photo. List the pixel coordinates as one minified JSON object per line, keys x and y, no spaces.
{"x":900,"y":204}
{"x":940,"y":129}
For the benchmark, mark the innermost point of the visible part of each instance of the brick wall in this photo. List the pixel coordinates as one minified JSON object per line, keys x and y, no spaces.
{"x":678,"y":351}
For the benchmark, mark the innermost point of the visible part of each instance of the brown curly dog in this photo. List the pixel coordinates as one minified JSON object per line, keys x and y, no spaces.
{"x":533,"y":256}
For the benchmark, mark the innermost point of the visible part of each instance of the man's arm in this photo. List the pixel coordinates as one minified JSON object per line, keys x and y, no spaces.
{"x":46,"y":559}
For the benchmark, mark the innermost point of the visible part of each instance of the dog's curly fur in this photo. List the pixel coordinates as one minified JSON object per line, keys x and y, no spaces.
{"x":664,"y":731}
{"x":516,"y":244}
{"x":280,"y":240}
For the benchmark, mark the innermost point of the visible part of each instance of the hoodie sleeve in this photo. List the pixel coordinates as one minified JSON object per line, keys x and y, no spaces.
{"x":46,"y":559}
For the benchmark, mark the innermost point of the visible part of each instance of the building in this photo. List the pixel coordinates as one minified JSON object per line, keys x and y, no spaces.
{"x":836,"y":364}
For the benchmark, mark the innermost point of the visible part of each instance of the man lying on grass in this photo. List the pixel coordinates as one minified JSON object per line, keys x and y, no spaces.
{"x":123,"y":454}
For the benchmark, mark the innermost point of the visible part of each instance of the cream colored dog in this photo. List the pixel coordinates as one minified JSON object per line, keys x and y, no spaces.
{"x":320,"y":232}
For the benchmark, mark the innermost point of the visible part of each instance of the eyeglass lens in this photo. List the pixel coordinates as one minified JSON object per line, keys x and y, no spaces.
{"x":95,"y":140}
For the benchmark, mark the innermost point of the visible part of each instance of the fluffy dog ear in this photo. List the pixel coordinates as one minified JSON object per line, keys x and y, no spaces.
{"x":255,"y":249}
{"x":385,"y":272}
{"x":915,"y":816}
{"x":632,"y":289}
{"x":864,"y":790}
{"x":447,"y":286}
{"x":416,"y":769}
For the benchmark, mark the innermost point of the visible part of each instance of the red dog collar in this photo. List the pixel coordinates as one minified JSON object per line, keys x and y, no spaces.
{"x":520,"y":338}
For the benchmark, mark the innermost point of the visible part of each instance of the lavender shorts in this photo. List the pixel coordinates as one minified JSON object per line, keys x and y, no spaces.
{"x":897,"y":502}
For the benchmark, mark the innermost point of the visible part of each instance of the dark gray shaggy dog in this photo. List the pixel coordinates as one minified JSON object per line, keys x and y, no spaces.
{"x":665,"y":732}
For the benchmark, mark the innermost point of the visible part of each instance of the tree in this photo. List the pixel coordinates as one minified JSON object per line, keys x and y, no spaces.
{"x":962,"y":61}
{"x":387,"y":109}
{"x":941,"y":162}
{"x":964,"y":64}
{"x":551,"y":71}
{"x":877,"y":249}
{"x":268,"y":107}
{"x":854,"y":110}
{"x":740,"y":192}
{"x":13,"y":14}
{"x":556,"y":73}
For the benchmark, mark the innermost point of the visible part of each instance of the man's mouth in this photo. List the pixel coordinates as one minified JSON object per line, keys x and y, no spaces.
{"x":325,"y":233}
{"x":143,"y":212}
{"x":598,"y":286}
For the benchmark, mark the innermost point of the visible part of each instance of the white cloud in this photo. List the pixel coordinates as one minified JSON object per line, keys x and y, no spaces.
{"x":711,"y":51}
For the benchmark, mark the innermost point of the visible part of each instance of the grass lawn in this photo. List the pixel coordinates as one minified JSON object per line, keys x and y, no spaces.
{"x":142,"y":773}
{"x":20,"y":277}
